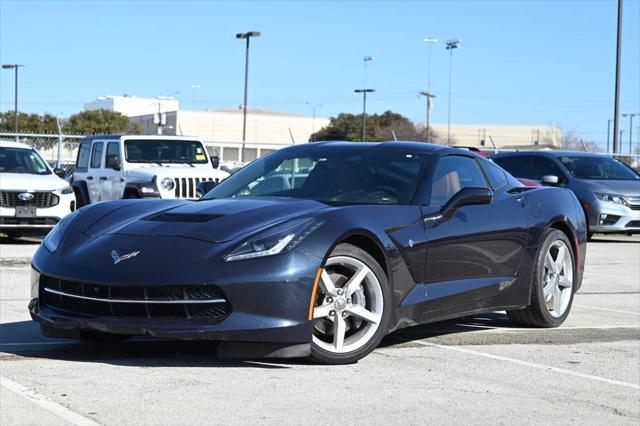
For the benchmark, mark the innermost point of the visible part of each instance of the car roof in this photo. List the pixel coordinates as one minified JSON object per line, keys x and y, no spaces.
{"x":551,"y":153}
{"x":401,"y":146}
{"x":12,"y":144}
{"x":132,"y":136}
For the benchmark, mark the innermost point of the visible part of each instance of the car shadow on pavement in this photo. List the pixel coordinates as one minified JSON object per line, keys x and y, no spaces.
{"x":20,"y":241}
{"x":23,"y":339}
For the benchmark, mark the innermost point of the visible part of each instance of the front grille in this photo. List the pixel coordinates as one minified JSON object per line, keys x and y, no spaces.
{"x":201,"y":302}
{"x":40,"y":199}
{"x":633,"y":202}
{"x":8,"y":220}
{"x":186,"y":187}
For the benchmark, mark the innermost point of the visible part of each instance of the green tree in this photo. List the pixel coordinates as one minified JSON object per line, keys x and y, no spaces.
{"x":28,"y":123}
{"x":100,"y":121}
{"x":380,"y":127}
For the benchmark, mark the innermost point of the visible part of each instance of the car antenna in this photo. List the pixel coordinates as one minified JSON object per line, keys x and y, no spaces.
{"x":495,"y":149}
{"x":394,"y":135}
{"x":584,"y":147}
{"x":293,"y":141}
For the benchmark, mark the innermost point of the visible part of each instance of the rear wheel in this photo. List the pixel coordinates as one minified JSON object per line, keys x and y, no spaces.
{"x":552,"y":288}
{"x":352,"y":307}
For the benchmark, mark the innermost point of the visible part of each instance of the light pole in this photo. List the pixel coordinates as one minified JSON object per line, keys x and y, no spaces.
{"x":430,"y":41}
{"x":616,"y":103}
{"x":428,"y":96}
{"x":313,"y":108}
{"x":14,"y":67}
{"x":451,"y":45}
{"x":161,"y":123}
{"x":367,"y":59}
{"x":608,"y":133}
{"x":364,"y":109}
{"x":630,"y":115}
{"x":195,"y":88}
{"x":245,"y":36}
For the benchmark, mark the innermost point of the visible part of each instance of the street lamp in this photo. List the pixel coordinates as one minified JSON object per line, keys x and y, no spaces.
{"x":630,"y":115}
{"x":451,"y":45}
{"x":14,"y":67}
{"x":162,"y":121}
{"x":313,"y":108}
{"x":364,"y":108}
{"x":245,"y":36}
{"x":430,"y":41}
{"x":608,"y":133}
{"x":428,"y":96}
{"x":367,"y":59}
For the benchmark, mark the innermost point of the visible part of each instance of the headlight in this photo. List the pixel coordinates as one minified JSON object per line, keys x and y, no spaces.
{"x":275,"y":240}
{"x":167,"y":184}
{"x":66,"y":190}
{"x":52,"y":240}
{"x":612,"y":198}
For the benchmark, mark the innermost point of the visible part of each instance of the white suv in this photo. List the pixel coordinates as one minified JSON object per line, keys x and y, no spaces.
{"x":134,"y":166}
{"x":33,"y":198}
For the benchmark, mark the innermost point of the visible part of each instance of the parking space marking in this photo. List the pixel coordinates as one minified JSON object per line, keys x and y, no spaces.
{"x":532,"y":365}
{"x":52,"y":407}
{"x":607,"y":309}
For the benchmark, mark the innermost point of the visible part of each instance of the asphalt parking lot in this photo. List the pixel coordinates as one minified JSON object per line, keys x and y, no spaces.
{"x":478,"y":370}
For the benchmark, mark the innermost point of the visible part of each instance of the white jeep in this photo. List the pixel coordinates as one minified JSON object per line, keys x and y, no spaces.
{"x":135,"y":166}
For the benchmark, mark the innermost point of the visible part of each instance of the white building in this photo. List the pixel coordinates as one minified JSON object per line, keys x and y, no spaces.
{"x":503,"y":136}
{"x":132,"y":106}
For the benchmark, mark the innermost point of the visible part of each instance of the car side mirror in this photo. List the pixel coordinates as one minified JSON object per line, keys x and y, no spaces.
{"x":464,"y":197}
{"x":113,"y":162}
{"x":215,"y":161}
{"x":203,"y":187}
{"x":550,"y":180}
{"x":60,"y":172}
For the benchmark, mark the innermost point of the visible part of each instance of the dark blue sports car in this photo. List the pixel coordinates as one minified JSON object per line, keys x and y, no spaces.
{"x":316,"y":250}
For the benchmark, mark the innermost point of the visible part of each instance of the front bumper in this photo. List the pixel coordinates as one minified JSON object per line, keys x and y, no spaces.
{"x":269,"y":297}
{"x":605,"y":216}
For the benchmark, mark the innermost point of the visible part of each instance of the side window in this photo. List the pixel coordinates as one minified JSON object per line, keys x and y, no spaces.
{"x":497,"y":177}
{"x":112,"y":160}
{"x":519,"y":166}
{"x":82,"y":162}
{"x":451,"y":175}
{"x":545,"y":166}
{"x":96,"y":155}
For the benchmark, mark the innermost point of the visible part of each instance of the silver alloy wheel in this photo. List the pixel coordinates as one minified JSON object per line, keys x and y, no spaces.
{"x":558,"y":278}
{"x":349,"y":305}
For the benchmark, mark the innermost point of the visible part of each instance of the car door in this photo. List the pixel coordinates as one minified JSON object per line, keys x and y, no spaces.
{"x":475,"y":253}
{"x":93,"y":173}
{"x":112,"y":187}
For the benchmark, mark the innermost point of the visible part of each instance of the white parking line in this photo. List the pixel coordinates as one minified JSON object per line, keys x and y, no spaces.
{"x":607,"y":309}
{"x":52,"y":407}
{"x":532,"y":365}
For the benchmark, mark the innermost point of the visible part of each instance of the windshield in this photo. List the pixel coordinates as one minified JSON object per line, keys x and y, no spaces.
{"x":600,"y":168}
{"x":20,"y":160}
{"x":164,"y":151}
{"x":333,"y":176}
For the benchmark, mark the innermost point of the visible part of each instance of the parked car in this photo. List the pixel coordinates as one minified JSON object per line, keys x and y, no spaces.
{"x":347,"y":243}
{"x":134,"y":166}
{"x":33,"y":198}
{"x":608,"y":189}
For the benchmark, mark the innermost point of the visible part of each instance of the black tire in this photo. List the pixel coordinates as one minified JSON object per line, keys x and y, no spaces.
{"x":323,"y":356}
{"x":537,"y":314}
{"x":80,"y":198}
{"x":102,"y":337}
{"x":590,"y":236}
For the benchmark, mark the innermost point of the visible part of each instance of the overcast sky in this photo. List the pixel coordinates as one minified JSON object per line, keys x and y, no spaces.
{"x":526,"y":62}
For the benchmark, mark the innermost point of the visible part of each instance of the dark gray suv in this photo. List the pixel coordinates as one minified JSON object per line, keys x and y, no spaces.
{"x":608,"y":189}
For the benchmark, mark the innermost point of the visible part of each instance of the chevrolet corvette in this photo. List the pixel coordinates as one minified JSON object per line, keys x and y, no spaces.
{"x":317,"y":250}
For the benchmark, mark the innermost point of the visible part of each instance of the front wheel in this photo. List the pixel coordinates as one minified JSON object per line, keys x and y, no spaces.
{"x":352,"y":307}
{"x":552,"y":288}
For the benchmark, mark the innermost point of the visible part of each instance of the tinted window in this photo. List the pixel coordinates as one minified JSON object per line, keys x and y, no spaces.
{"x":96,"y":155}
{"x":451,"y":175}
{"x":20,"y":160}
{"x":546,"y":166}
{"x":83,"y":155}
{"x":333,"y":176}
{"x":601,"y":168}
{"x":164,"y":151}
{"x":497,"y":177}
{"x":113,"y":155}
{"x":518,"y":165}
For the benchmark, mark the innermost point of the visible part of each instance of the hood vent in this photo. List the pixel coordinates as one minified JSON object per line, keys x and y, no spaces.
{"x":182,"y":217}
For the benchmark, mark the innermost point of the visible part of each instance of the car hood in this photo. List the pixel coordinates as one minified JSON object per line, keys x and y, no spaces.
{"x":209,"y":220}
{"x":617,"y":187}
{"x":146,"y":173}
{"x":30,"y":182}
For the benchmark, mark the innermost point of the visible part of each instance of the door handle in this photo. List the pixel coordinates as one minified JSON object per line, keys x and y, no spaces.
{"x":89,"y":177}
{"x":103,"y":178}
